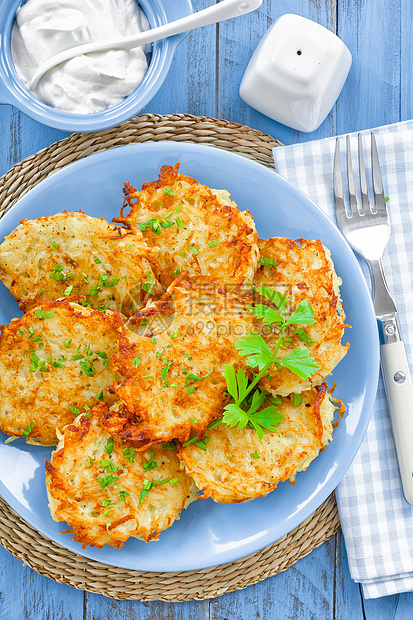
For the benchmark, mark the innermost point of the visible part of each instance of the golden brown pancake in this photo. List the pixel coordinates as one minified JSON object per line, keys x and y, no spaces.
{"x":304,"y":271}
{"x":75,"y":254}
{"x":107,"y":491}
{"x":54,"y":362}
{"x":233,"y":465}
{"x":196,"y":229}
{"x":173,"y":376}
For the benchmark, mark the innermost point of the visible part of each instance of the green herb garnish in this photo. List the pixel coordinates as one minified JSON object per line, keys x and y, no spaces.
{"x":28,"y":430}
{"x":151,"y":464}
{"x":148,"y":486}
{"x":266,"y":260}
{"x":129,"y":454}
{"x":297,"y":399}
{"x":106,"y":480}
{"x":193,"y":249}
{"x":147,"y":286}
{"x":246,"y":408}
{"x":109,"y":445}
{"x":43,"y":314}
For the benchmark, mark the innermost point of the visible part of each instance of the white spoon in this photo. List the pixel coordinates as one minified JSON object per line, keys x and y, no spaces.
{"x":226,"y":9}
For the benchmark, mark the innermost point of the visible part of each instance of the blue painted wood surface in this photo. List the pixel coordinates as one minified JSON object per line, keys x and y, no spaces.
{"x":204,"y":80}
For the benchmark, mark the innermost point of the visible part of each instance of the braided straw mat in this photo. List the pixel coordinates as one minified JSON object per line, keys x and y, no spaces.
{"x":50,"y":559}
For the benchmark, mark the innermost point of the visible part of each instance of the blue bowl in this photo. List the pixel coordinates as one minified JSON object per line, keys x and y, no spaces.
{"x":14,"y":92}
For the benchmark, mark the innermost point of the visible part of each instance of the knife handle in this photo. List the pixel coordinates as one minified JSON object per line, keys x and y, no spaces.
{"x":399,"y":392}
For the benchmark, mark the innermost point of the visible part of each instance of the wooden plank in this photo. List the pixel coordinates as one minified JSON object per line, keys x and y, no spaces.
{"x":406,"y":61}
{"x":303,"y":592}
{"x":98,"y":607}
{"x":348,"y":600}
{"x":26,"y":595}
{"x":238,"y":39}
{"x":21,"y":137}
{"x":396,"y":607}
{"x":371,"y":96}
{"x":190,"y":84}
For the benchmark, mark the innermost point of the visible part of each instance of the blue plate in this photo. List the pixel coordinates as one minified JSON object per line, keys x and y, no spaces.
{"x":208,"y":534}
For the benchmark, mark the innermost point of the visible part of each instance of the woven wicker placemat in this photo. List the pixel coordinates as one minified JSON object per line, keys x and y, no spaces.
{"x":47,"y":557}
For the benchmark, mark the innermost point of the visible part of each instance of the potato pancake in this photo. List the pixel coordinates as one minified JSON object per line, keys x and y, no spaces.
{"x":234,"y":466}
{"x":197,"y":230}
{"x":174,"y":375}
{"x":54,"y":361}
{"x":75,"y":254}
{"x":108,"y":492}
{"x":303,"y":270}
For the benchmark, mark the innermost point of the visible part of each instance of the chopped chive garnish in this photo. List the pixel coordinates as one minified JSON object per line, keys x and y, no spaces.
{"x":28,"y":430}
{"x":129,"y":453}
{"x":137,"y":360}
{"x":203,"y":443}
{"x":109,"y":445}
{"x":106,"y":480}
{"x":43,"y":314}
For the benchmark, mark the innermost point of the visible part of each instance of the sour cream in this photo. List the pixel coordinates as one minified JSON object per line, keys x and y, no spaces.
{"x":87,"y":83}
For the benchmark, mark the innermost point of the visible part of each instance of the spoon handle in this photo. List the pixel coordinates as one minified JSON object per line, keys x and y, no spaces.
{"x":226,"y":9}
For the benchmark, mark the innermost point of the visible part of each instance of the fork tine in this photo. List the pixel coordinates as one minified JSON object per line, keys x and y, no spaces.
{"x":338,"y":181}
{"x":351,"y":187}
{"x":363,"y":181}
{"x":379,"y":200}
{"x":339,"y":204}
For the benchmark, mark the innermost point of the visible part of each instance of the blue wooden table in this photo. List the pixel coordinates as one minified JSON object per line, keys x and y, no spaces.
{"x":204,"y":80}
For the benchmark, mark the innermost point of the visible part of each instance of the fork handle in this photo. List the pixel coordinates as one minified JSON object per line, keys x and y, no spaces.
{"x":399,"y":392}
{"x":383,"y":302}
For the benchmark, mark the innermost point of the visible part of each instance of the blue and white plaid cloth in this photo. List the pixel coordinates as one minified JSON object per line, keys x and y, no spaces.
{"x":377,"y":522}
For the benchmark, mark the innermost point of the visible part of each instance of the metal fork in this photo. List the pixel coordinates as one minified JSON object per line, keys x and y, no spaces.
{"x":367,"y":229}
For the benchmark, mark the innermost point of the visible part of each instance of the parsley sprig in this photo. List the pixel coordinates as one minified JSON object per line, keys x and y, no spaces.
{"x":241,"y":412}
{"x":246,"y":410}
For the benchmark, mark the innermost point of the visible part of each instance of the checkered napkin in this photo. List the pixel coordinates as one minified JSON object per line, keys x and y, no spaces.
{"x":377,"y":522}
